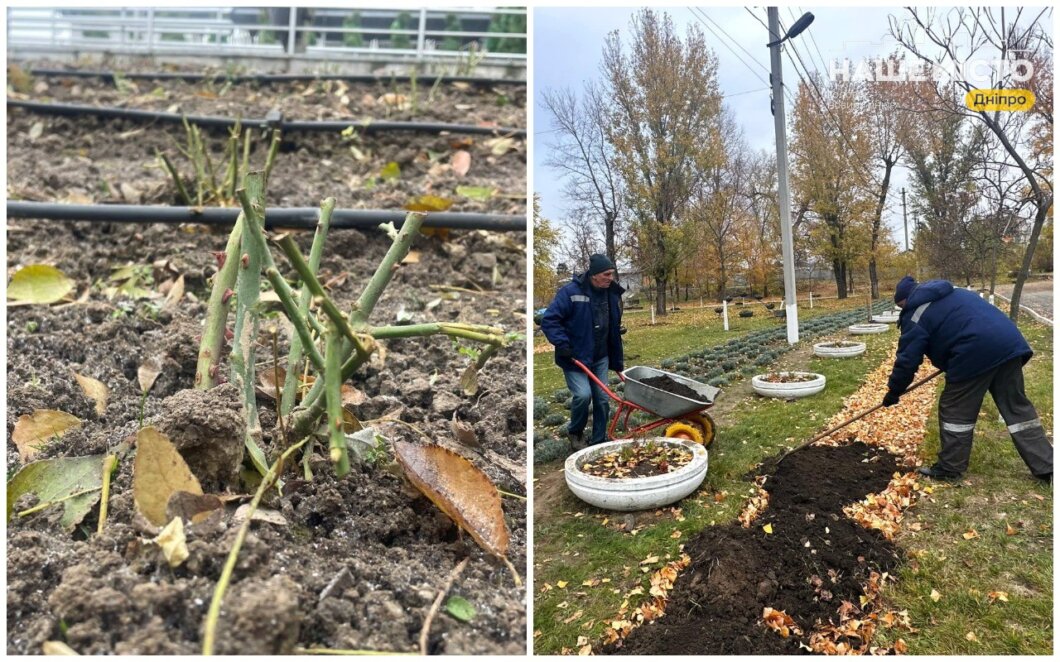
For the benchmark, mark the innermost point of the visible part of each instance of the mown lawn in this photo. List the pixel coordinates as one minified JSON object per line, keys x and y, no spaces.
{"x":587,"y":561}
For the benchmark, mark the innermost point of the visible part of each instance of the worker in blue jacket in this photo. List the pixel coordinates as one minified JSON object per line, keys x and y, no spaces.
{"x":980,"y":350}
{"x":584,"y":322}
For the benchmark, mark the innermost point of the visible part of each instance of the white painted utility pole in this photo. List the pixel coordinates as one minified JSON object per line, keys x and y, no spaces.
{"x":791,"y":311}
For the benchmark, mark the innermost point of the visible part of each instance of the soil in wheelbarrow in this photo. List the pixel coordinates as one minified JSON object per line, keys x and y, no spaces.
{"x":814,"y":561}
{"x":668,"y":384}
{"x":359,"y":560}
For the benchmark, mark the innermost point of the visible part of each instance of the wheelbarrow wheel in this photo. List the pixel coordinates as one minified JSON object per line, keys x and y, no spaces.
{"x":706,"y":427}
{"x":682,"y":430}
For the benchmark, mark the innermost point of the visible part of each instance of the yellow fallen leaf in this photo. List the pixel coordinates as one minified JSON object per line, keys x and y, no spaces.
{"x":158,"y":472}
{"x":148,"y":373}
{"x":1010,"y":530}
{"x":95,"y":390}
{"x":971,"y":637}
{"x":176,"y":293}
{"x":970,"y":533}
{"x":34,"y":430}
{"x":935,"y":595}
{"x":172,"y":542}
{"x":768,"y":528}
{"x":57,"y":648}
{"x":650,"y":559}
{"x":997,"y":596}
{"x":561,"y":584}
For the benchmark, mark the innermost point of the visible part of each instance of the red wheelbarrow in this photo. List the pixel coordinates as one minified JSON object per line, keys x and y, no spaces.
{"x":683,"y":417}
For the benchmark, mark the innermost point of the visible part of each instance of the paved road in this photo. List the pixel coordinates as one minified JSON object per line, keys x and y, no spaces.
{"x":1038,"y":296}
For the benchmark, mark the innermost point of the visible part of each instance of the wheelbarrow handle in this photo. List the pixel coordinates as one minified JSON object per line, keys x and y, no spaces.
{"x":611,"y":394}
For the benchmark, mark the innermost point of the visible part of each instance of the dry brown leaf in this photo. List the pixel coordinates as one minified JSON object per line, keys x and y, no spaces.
{"x":173,"y":543}
{"x":971,"y":637}
{"x":95,"y":390}
{"x":412,"y":258}
{"x":460,"y":489}
{"x":34,"y":430}
{"x":175,"y":294}
{"x":1010,"y":530}
{"x":970,"y":533}
{"x":463,"y":432}
{"x":148,"y":373}
{"x":461,"y":162}
{"x":158,"y":472}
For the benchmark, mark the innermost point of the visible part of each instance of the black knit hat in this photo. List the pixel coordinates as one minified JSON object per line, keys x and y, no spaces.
{"x":904,"y":289}
{"x":599,"y":263}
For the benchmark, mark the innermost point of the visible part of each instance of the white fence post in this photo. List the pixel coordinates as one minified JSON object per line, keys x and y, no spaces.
{"x":292,"y":22}
{"x":150,"y":29}
{"x":725,"y":313}
{"x":421,"y":36}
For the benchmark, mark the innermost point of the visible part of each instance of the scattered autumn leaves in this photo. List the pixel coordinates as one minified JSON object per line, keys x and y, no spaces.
{"x":638,"y":459}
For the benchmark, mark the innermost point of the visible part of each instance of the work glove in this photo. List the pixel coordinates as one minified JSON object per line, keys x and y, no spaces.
{"x":563,"y":358}
{"x":891,"y":399}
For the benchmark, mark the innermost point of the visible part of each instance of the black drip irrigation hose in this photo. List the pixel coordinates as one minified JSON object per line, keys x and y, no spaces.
{"x":193,"y":77}
{"x":290,"y":217}
{"x":365,"y":126}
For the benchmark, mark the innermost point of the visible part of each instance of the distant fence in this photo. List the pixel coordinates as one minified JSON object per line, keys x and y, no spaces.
{"x":488,"y":35}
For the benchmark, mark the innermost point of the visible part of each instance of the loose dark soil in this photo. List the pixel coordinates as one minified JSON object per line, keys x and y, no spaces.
{"x":668,"y":384}
{"x":361,"y":559}
{"x":815,"y":559}
{"x":787,"y":378}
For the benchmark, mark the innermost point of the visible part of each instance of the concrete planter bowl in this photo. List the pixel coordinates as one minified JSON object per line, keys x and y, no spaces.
{"x":866,"y":329}
{"x":846,"y":350}
{"x":640,"y":493}
{"x":789,"y":390}
{"x":887,"y":317}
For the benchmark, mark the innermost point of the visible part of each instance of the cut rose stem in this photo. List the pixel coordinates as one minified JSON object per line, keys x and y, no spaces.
{"x":294,"y":358}
{"x":333,"y":393}
{"x":213,"y":334}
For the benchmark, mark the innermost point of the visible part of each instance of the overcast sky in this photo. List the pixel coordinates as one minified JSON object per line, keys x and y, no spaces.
{"x":568,"y":44}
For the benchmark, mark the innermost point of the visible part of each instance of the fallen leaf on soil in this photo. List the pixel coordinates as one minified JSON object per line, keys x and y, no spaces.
{"x":970,"y":533}
{"x":390,"y":171}
{"x":428,"y":203}
{"x":460,"y":162}
{"x":32,"y":431}
{"x":352,"y":396}
{"x":935,"y":595}
{"x":158,"y":472}
{"x":95,"y":390}
{"x":57,"y":648}
{"x":173,"y":543}
{"x":477,"y":193}
{"x":500,"y":146}
{"x":460,"y":489}
{"x":36,"y":130}
{"x":57,"y":480}
{"x":147,"y":373}
{"x":463,"y":432}
{"x":39,"y":283}
{"x":768,"y":528}
{"x":780,"y":622}
{"x":971,"y":637}
{"x":1010,"y":530}
{"x":469,"y":380}
{"x":260,"y":515}
{"x":561,"y":584}
{"x":460,"y":609}
{"x":997,"y":596}
{"x":175,"y":294}
{"x":412,"y":258}
{"x":192,"y":507}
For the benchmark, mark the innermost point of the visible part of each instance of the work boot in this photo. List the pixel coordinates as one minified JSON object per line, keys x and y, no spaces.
{"x":937,"y":474}
{"x":577,"y":441}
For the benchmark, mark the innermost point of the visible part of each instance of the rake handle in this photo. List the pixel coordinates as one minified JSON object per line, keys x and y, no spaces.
{"x":861,"y":415}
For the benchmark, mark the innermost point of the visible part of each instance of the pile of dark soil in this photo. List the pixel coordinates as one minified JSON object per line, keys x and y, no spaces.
{"x":668,"y":384}
{"x":814,"y":560}
{"x":360,"y":559}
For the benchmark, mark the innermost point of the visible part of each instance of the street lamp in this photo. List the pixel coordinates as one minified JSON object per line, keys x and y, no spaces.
{"x":791,"y":311}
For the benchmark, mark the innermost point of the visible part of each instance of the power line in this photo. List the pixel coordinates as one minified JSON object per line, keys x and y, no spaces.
{"x":809,"y":32}
{"x":715,"y":23}
{"x":787,"y":92}
{"x":726,"y":45}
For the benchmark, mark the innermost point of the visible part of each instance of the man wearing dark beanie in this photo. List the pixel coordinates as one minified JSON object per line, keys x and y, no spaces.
{"x":980,"y":350}
{"x":583,"y":323}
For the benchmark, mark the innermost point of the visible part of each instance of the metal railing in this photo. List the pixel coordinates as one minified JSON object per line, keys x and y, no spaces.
{"x":489,"y":35}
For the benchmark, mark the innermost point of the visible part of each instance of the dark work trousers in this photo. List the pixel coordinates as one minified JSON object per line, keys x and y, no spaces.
{"x":959,"y":408}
